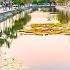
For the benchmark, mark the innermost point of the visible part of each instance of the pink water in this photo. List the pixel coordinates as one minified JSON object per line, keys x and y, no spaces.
{"x":43,"y":52}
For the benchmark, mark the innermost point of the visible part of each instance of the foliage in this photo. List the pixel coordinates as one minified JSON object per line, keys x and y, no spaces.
{"x":59,"y":1}
{"x":18,"y":24}
{"x":40,"y":1}
{"x":19,"y":2}
{"x":62,"y":17}
{"x":3,"y":41}
{"x":11,"y":33}
{"x":30,"y":1}
{"x":16,"y":1}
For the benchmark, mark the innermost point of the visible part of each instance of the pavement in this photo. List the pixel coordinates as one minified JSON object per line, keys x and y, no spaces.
{"x":3,"y":10}
{"x":4,"y":13}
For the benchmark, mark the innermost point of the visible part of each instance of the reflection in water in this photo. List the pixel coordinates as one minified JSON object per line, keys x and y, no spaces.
{"x":63,"y":17}
{"x":50,"y":9}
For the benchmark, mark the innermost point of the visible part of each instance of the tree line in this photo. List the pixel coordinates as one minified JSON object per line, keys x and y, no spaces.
{"x":30,"y":1}
{"x":20,"y":2}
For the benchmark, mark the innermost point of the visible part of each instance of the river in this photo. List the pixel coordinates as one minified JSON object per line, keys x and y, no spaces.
{"x":51,"y":52}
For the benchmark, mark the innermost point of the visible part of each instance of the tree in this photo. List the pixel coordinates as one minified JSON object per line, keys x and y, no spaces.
{"x":40,"y":1}
{"x":19,"y":2}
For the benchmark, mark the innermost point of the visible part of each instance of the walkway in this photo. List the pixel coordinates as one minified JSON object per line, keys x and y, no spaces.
{"x":4,"y":13}
{"x":2,"y":10}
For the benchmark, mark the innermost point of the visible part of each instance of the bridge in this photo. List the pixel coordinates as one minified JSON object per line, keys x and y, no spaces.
{"x":40,"y":6}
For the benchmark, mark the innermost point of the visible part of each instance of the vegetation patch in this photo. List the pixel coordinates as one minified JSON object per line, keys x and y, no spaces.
{"x":49,"y":29}
{"x":11,"y":33}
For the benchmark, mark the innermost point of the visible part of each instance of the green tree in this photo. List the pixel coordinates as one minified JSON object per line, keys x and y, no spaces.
{"x":40,"y":1}
{"x":19,"y":2}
